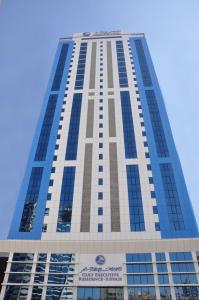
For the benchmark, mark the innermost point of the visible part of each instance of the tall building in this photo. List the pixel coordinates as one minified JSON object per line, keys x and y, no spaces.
{"x":103,"y":211}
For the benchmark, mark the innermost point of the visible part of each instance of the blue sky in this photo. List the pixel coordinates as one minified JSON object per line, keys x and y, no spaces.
{"x":29,"y":32}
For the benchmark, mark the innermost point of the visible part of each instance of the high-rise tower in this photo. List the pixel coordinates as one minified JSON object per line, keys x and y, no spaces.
{"x":103,"y":212}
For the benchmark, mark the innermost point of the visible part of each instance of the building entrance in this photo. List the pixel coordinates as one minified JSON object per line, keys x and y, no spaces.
{"x":100,"y":293}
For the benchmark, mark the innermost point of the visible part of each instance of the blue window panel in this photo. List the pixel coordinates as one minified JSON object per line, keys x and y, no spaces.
{"x":100,"y":227}
{"x":156,"y":122}
{"x":140,"y":279}
{"x":165,"y":293}
{"x":160,"y":256}
{"x":66,"y":200}
{"x":128,"y":127}
{"x":138,"y":293}
{"x":138,"y":257}
{"x":79,"y":82}
{"x":187,"y":292}
{"x":46,"y":129}
{"x":135,"y":199}
{"x":155,"y":210}
{"x":162,"y":268}
{"x":100,"y":195}
{"x":19,"y":278}
{"x":163,"y":278}
{"x":157,"y":226}
{"x":73,"y":134}
{"x":182,"y":267}
{"x":19,"y":267}
{"x":60,"y":279}
{"x":57,"y":292}
{"x":16,"y":292}
{"x":60,"y":68}
{"x":37,"y":293}
{"x":146,"y":77}
{"x":171,"y":196}
{"x":23,"y":257}
{"x":121,"y":64}
{"x":180,"y":256}
{"x":62,"y":257}
{"x":61,"y":268}
{"x":100,"y":211}
{"x":30,"y":205}
{"x":100,"y":168}
{"x":139,"y":268}
{"x":100,"y":181}
{"x":184,"y":278}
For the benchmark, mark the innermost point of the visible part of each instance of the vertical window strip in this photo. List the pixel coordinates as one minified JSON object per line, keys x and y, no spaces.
{"x":172,"y":198}
{"x":128,"y":127}
{"x":135,"y":199}
{"x":146,"y":77}
{"x":46,"y":129}
{"x":121,"y":64}
{"x":32,"y":195}
{"x":60,"y":68}
{"x":156,"y":122}
{"x":111,"y":119}
{"x":79,"y":82}
{"x":66,"y":200}
{"x":73,"y":133}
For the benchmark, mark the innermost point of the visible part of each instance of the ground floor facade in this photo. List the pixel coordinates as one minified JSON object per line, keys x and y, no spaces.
{"x":100,"y":270}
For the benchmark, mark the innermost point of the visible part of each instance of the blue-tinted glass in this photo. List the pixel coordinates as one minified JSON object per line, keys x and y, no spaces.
{"x":19,"y":267}
{"x":61,"y":257}
{"x":157,"y":226}
{"x":128,"y":127}
{"x":140,"y":279}
{"x":38,"y":278}
{"x":182,"y":267}
{"x":163,"y":278}
{"x":60,"y":68}
{"x":36,"y":292}
{"x":100,"y":195}
{"x":42,"y":257}
{"x":184,"y":278}
{"x":61,"y":268}
{"x":162,"y":268}
{"x":156,"y":122}
{"x":16,"y":292}
{"x":42,"y":145}
{"x":79,"y":82}
{"x":155,"y":210}
{"x":165,"y":293}
{"x":100,"y":211}
{"x":66,"y":200}
{"x":23,"y":257}
{"x":135,"y":199}
{"x":57,"y":293}
{"x":73,"y":133}
{"x":60,"y":279}
{"x":146,"y":77}
{"x":180,"y":256}
{"x":100,"y":156}
{"x":19,"y":278}
{"x":160,"y":256}
{"x":40,"y":268}
{"x":139,"y":268}
{"x":138,"y":257}
{"x":49,"y":196}
{"x":100,"y":227}
{"x":187,"y":292}
{"x":141,"y":293}
{"x":172,"y":198}
{"x":30,"y":205}
{"x":100,"y":181}
{"x":100,"y":168}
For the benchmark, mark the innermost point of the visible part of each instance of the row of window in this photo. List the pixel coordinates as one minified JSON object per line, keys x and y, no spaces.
{"x":121,"y":64}
{"x":160,"y":257}
{"x":66,"y":200}
{"x":79,"y":82}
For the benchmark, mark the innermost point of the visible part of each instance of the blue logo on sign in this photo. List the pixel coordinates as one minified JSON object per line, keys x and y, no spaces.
{"x":100,"y":259}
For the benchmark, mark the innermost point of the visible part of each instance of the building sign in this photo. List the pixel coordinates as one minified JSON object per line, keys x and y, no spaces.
{"x":100,"y":270}
{"x":101,"y":33}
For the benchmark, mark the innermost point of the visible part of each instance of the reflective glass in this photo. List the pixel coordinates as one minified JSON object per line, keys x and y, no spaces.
{"x":19,"y":267}
{"x":14,"y":292}
{"x":187,"y":292}
{"x":23,"y":256}
{"x":36,"y":292}
{"x":165,"y":293}
{"x":19,"y":278}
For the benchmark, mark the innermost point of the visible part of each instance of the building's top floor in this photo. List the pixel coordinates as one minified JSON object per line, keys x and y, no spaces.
{"x":102,"y":34}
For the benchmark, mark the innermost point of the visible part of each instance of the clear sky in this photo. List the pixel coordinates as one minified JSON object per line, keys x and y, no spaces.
{"x":29,"y":32}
